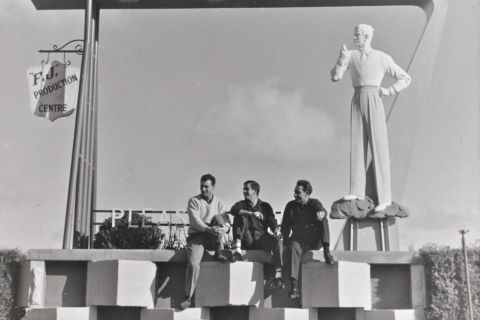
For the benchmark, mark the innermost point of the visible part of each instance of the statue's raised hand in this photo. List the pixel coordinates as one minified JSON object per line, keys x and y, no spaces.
{"x":344,"y":53}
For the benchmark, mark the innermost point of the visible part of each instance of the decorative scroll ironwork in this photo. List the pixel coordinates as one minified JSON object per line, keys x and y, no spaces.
{"x":78,"y":48}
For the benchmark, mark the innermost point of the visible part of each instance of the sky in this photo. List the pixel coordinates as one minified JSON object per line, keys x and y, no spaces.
{"x":242,"y":94}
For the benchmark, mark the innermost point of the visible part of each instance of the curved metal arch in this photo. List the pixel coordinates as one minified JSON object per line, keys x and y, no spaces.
{"x":406,"y":105}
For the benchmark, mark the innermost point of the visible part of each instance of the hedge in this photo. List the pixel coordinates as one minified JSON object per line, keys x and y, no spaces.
{"x":8,"y":277}
{"x":446,"y":282}
{"x":122,"y":236}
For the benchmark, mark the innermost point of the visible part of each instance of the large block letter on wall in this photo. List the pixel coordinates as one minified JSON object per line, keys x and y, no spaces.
{"x":230,"y":284}
{"x":344,"y":285}
{"x":124,"y":283}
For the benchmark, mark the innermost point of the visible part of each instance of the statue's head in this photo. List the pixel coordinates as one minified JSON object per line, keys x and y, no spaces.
{"x":362,"y":35}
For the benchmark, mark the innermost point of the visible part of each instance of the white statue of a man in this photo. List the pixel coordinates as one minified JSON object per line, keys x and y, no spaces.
{"x":368,"y":124}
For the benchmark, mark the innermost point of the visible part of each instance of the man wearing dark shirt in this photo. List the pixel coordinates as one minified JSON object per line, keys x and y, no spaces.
{"x":306,"y":219}
{"x":252,"y":218}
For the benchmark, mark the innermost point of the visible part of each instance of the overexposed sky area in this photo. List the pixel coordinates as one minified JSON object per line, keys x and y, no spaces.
{"x":242,"y":94}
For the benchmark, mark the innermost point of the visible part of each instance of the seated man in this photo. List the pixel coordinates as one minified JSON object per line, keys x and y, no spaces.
{"x":209,"y":223}
{"x":252,"y":218}
{"x":306,"y":218}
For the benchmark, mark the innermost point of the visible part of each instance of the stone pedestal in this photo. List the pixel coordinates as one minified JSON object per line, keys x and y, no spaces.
{"x":369,"y":234}
{"x":343,"y":285}
{"x":398,"y":314}
{"x":282,"y":314}
{"x":121,"y":283}
{"x":171,"y":314}
{"x":62,"y":314}
{"x":32,"y":284}
{"x":229,"y":284}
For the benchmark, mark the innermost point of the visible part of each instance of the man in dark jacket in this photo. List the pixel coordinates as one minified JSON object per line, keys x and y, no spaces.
{"x":252,"y":218}
{"x":305,"y":227}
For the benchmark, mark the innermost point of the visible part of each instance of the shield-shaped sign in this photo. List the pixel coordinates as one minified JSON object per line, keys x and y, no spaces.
{"x":53,"y":89}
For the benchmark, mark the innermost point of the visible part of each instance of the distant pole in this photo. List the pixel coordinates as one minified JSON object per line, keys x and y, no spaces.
{"x":465,"y":259}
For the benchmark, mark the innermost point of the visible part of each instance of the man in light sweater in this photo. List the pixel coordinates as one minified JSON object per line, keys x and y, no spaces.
{"x":209,"y":223}
{"x":368,"y":124}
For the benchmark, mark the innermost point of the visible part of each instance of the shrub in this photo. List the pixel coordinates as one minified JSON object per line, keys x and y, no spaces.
{"x":446,"y":282}
{"x":9,"y":260}
{"x":124,"y":237}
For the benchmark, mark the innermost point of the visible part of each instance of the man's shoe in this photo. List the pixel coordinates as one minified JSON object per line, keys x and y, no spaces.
{"x":237,"y":256}
{"x":294,"y":294}
{"x":269,"y":284}
{"x":329,"y":259}
{"x":350,"y":197}
{"x":220,"y":257}
{"x":279,"y":283}
{"x":186,"y":304}
{"x":382,"y":206}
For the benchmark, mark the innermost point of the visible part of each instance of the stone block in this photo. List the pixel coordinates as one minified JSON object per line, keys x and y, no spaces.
{"x":229,"y":284}
{"x":80,"y":313}
{"x":282,"y":314}
{"x":32,"y":284}
{"x":397,"y":314}
{"x":124,"y":283}
{"x":418,"y":286}
{"x":343,"y":285}
{"x":172,"y":314}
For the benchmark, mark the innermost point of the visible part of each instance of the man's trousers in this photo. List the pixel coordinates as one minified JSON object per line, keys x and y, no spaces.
{"x":257,"y":240}
{"x":196,"y":245}
{"x":311,"y":240}
{"x":369,"y":130}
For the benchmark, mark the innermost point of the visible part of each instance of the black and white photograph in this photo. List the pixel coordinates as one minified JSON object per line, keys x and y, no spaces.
{"x":240,"y":160}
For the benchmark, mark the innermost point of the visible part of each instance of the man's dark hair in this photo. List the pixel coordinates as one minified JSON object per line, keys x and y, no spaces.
{"x":207,"y":177}
{"x":254,"y":185}
{"x":305,"y":184}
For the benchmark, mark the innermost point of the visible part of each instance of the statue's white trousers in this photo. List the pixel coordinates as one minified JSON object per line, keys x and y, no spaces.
{"x":369,"y":130}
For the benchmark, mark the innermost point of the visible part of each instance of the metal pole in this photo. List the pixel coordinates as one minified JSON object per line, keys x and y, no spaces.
{"x":82,"y":209}
{"x":87,"y":154}
{"x":92,"y":132}
{"x":351,"y":234}
{"x":382,"y":235}
{"x":467,"y":276}
{"x":71,"y":216}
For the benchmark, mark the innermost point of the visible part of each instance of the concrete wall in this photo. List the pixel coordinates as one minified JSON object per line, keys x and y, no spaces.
{"x":342,"y":291}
